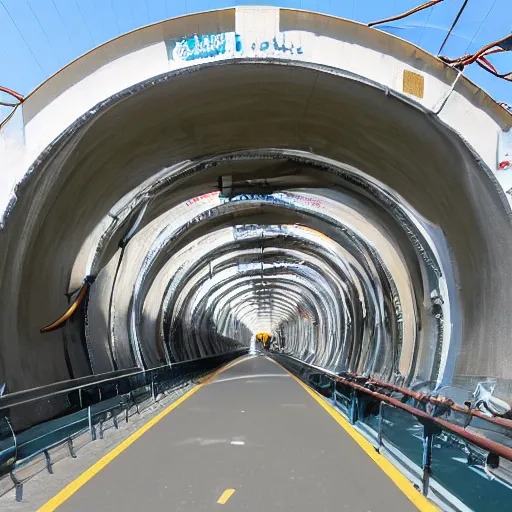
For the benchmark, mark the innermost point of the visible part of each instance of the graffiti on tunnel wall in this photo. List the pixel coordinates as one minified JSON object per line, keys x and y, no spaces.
{"x":230,"y":44}
{"x":202,"y":47}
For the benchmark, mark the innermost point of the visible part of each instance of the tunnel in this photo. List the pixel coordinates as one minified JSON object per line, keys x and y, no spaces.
{"x":187,"y":212}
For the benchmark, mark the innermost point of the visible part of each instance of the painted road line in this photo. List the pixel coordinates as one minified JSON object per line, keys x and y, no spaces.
{"x":420,"y":501}
{"x":224,"y":497}
{"x":79,"y":482}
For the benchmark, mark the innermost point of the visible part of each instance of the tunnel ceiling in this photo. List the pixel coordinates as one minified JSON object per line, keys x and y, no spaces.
{"x":183,"y":216}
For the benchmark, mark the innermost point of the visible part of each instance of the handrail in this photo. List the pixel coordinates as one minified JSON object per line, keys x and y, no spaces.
{"x":85,"y":409}
{"x":421,"y":397}
{"x":52,"y":390}
{"x":446,"y":402}
{"x":480,"y":441}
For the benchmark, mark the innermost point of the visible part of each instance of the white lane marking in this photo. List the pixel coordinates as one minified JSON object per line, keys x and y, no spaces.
{"x":238,"y":443}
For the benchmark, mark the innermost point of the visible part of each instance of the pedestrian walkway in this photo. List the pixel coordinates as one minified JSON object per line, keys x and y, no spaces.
{"x":251,"y":439}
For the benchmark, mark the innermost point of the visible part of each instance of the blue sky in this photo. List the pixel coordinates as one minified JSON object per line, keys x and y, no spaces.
{"x":38,"y":37}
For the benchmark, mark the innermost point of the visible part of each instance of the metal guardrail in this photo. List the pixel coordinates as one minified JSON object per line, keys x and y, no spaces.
{"x":34,"y":422}
{"x":448,"y":452}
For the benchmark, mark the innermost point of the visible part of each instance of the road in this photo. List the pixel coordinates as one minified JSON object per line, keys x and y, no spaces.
{"x":252,"y":430}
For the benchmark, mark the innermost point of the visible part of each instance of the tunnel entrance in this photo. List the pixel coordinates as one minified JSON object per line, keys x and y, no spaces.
{"x":214,"y":203}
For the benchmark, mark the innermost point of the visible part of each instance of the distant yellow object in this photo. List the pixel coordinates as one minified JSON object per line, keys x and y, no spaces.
{"x":264,"y":338}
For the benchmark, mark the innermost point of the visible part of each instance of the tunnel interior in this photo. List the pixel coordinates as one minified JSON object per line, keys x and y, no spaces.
{"x":185,"y":215}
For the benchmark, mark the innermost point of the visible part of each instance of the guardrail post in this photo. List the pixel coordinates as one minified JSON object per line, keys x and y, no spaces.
{"x":429,"y":431}
{"x":18,"y":487}
{"x":48,"y":462}
{"x":92,"y":430}
{"x":71,"y":448}
{"x":19,"y":492}
{"x":353,"y":407}
{"x":379,"y":431}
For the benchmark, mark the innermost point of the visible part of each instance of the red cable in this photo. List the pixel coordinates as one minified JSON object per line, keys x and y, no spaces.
{"x":487,"y":47}
{"x":480,"y":58}
{"x":504,"y":76}
{"x":405,"y":14}
{"x":17,"y":95}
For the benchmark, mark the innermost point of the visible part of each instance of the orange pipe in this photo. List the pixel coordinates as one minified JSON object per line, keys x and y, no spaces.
{"x":67,"y":315}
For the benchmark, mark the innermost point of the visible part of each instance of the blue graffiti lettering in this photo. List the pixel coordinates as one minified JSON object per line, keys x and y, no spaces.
{"x":200,"y":47}
{"x":273,"y":198}
{"x":212,"y":45}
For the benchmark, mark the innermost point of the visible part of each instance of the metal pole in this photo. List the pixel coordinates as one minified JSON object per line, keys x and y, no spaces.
{"x":353,"y":407}
{"x":428,"y":437}
{"x":91,"y":426}
{"x":379,"y":431}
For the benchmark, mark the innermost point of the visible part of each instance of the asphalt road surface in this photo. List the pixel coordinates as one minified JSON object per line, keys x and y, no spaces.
{"x":255,"y":431}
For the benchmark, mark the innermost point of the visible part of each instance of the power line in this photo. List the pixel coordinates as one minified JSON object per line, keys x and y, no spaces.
{"x":43,"y":30}
{"x":115,"y":16}
{"x":480,"y":26}
{"x":147,"y":9}
{"x":63,"y":24}
{"x":23,"y":37}
{"x":85,"y":23}
{"x":461,"y":10}
{"x":131,"y":11}
{"x":425,"y":26}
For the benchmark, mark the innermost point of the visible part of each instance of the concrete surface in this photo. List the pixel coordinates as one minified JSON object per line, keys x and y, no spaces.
{"x":293,"y":456}
{"x":224,"y":108}
{"x":43,"y":486}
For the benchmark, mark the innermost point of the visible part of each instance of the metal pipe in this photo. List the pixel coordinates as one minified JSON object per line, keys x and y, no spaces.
{"x":482,"y":442}
{"x":72,"y":308}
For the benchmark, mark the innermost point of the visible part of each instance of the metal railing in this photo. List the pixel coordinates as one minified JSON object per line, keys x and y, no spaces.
{"x":459,"y":459}
{"x":34,"y":422}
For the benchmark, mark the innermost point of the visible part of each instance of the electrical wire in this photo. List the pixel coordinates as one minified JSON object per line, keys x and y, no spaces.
{"x":43,"y":30}
{"x":23,"y":37}
{"x":480,"y":57}
{"x":85,"y":23}
{"x":480,"y":26}
{"x":455,"y":21}
{"x":63,"y":24}
{"x":115,"y":17}
{"x":425,"y":25}
{"x":8,"y":118}
{"x":14,"y":94}
{"x":406,"y":14}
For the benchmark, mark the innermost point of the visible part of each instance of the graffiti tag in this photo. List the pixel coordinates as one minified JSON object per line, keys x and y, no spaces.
{"x":200,"y":47}
{"x":229,"y":44}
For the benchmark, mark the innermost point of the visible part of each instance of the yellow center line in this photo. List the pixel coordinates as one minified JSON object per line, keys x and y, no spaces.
{"x":79,"y":482}
{"x":421,"y":502}
{"x":224,"y":497}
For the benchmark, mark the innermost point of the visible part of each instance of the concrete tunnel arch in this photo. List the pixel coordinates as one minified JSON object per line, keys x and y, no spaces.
{"x":266,"y":132}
